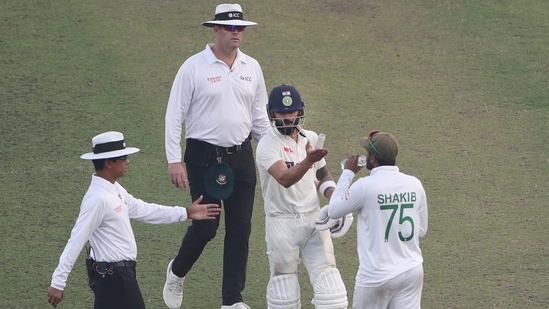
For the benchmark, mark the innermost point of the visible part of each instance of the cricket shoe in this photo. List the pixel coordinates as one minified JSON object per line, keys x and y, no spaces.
{"x":236,"y":306}
{"x":173,"y":289}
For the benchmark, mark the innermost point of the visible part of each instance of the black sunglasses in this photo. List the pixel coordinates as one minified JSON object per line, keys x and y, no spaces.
{"x":232,"y":28}
{"x":122,"y":158}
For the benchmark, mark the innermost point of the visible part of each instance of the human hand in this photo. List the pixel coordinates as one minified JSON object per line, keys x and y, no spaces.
{"x":178,"y":175}
{"x":352,"y":163}
{"x":199,"y":211}
{"x":55,"y":296}
{"x":315,"y":154}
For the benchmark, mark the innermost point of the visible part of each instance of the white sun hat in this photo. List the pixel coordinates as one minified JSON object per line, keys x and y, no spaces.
{"x":228,"y":15}
{"x":108,"y":145}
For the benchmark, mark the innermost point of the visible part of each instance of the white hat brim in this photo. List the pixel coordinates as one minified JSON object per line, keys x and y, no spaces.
{"x":110,"y":154}
{"x":232,"y":22}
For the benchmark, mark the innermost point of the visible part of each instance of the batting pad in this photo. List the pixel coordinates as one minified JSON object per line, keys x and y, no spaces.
{"x":283,"y":292}
{"x":330,"y":292}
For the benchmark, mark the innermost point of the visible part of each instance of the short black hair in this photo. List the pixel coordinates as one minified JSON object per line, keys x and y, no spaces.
{"x":99,"y":164}
{"x":386,"y":162}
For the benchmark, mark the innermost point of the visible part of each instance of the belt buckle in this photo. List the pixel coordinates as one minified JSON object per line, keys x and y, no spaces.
{"x":233,"y":149}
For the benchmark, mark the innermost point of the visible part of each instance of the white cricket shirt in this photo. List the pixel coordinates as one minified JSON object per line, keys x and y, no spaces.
{"x":104,"y":220}
{"x":301,"y":197}
{"x":392,"y":216}
{"x":218,"y":104}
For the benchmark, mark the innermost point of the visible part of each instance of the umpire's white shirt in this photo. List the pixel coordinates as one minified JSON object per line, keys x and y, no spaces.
{"x":301,"y":197}
{"x":104,"y":220}
{"x":218,"y":104}
{"x":382,"y":221}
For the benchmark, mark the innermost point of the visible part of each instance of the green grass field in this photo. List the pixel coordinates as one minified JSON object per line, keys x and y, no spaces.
{"x":463,"y":84}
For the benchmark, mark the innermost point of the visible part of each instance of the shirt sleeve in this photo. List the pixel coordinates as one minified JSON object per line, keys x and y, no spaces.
{"x":152,"y":213}
{"x":423,"y":213}
{"x":260,"y":119}
{"x":267,"y":155}
{"x":346,"y":197}
{"x":178,"y":105}
{"x":89,"y":219}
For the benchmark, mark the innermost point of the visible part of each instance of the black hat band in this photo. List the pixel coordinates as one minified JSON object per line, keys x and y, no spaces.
{"x":107,"y":147}
{"x":229,"y":16}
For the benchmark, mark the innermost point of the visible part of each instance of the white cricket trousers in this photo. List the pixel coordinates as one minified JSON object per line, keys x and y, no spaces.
{"x":401,"y":292}
{"x":293,"y":238}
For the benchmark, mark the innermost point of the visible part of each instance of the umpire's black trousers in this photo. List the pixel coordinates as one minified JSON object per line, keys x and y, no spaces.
{"x":118,"y":289}
{"x":237,"y":210}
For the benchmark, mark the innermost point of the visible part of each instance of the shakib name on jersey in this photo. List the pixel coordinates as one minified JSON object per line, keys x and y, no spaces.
{"x":404,"y":197}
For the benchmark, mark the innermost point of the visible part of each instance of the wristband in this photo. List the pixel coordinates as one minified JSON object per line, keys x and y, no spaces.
{"x":325,"y":185}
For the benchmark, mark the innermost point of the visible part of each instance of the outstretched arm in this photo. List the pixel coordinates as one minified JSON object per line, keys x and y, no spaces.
{"x":199,"y":211}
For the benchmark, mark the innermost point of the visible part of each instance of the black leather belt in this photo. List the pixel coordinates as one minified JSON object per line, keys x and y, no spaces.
{"x":232,"y":149}
{"x":229,"y":150}
{"x":128,"y":264}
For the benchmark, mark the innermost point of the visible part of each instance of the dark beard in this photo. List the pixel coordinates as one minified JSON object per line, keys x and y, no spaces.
{"x":369,"y":164}
{"x":285,"y":130}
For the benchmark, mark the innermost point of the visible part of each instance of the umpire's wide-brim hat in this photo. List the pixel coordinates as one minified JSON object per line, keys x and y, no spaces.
{"x":228,"y":15}
{"x":219,"y":181}
{"x":108,"y":145}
